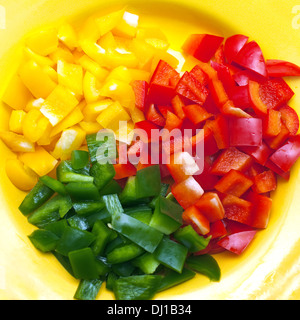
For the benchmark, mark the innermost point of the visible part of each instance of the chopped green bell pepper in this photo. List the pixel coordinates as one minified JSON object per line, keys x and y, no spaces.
{"x":83,"y":191}
{"x":88,"y":289}
{"x":54,"y":184}
{"x":124,"y":253}
{"x":65,"y":173}
{"x":148,"y":182}
{"x":103,"y":234}
{"x":142,"y":213}
{"x":79,"y":159}
{"x":113,"y":204}
{"x":44,"y":240}
{"x":146,"y":262}
{"x":87,"y":208}
{"x":57,"y":227}
{"x":102,"y":173}
{"x":78,"y":222}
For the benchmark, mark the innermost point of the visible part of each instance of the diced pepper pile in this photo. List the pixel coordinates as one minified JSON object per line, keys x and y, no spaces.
{"x":145,"y":227}
{"x":131,"y":237}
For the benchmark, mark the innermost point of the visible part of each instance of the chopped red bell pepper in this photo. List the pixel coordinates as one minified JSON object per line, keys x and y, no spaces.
{"x":164,"y":110}
{"x":217,"y":229}
{"x":187,"y":192}
{"x":124,"y":170}
{"x":153,"y":115}
{"x":218,"y":92}
{"x":271,"y":165}
{"x":206,"y":180}
{"x":245,"y":132}
{"x":177,"y":144}
{"x":264,"y":182}
{"x":140,"y":88}
{"x":196,"y":113}
{"x":237,"y":242}
{"x":172,"y":121}
{"x":199,"y":74}
{"x":220,"y":129}
{"x":196,"y":219}
{"x":290,"y":118}
{"x":233,"y":46}
{"x":235,"y":227}
{"x":202,"y":46}
{"x":272,"y":123}
{"x":230,"y":110}
{"x":281,"y":68}
{"x":160,"y":94}
{"x":229,"y":159}
{"x":211,"y":206}
{"x":178,"y":105}
{"x":210,"y":105}
{"x":240,"y":96}
{"x":279,"y":140}
{"x":147,"y":126}
{"x":235,"y":183}
{"x":224,"y":75}
{"x":207,"y":140}
{"x":251,"y":57}
{"x":220,"y":55}
{"x":260,"y":153}
{"x":163,"y":73}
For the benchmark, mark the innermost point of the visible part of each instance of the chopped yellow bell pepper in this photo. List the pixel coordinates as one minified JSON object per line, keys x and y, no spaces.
{"x":40,"y":161}
{"x":16,"y":121}
{"x":137,"y":74}
{"x":137,"y":115}
{"x":93,"y":67}
{"x":144,"y":51}
{"x":34,"y":104}
{"x":89,"y":31}
{"x":51,"y":73}
{"x":36,"y":79}
{"x":127,"y":27}
{"x":62,"y":53}
{"x":92,"y":110}
{"x":90,"y":127}
{"x":125,"y":132}
{"x":108,"y":22}
{"x":16,"y":142}
{"x":45,"y":140}
{"x":43,"y":42}
{"x":35,"y":125}
{"x":153,"y":36}
{"x":120,"y":73}
{"x":70,"y":120}
{"x":110,"y":117}
{"x":107,"y":41}
{"x":91,"y":88}
{"x":41,"y":60}
{"x":71,"y":76}
{"x":20,"y":175}
{"x":71,"y":139}
{"x":119,"y":91}
{"x":68,"y":36}
{"x":58,"y":104}
{"x":166,"y":56}
{"x":16,"y":94}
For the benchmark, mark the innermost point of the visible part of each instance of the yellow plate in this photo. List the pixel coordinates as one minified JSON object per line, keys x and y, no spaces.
{"x":269,"y":268}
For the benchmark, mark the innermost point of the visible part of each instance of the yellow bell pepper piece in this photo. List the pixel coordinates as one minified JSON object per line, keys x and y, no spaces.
{"x":68,"y":36}
{"x":70,"y":120}
{"x":62,"y":53}
{"x":58,"y":104}
{"x":16,"y":94}
{"x":16,"y":121}
{"x":127,"y":26}
{"x":144,"y":51}
{"x":107,"y":41}
{"x":36,"y":79}
{"x":125,"y":132}
{"x":108,"y":22}
{"x":119,"y":91}
{"x":43,"y":42}
{"x":166,"y":56}
{"x":110,"y":117}
{"x":93,"y":67}
{"x":40,"y":161}
{"x":41,"y":60}
{"x":16,"y":142}
{"x":91,"y":88}
{"x":89,"y":31}
{"x":137,"y":115}
{"x":20,"y":175}
{"x":71,"y":139}
{"x":137,"y":74}
{"x":71,"y":76}
{"x":45,"y":140}
{"x":92,"y":110}
{"x":34,"y":104}
{"x":153,"y":36}
{"x":90,"y":127}
{"x":120,"y":73}
{"x":35,"y":125}
{"x":51,"y":72}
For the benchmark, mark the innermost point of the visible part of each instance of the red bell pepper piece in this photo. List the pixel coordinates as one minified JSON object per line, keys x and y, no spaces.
{"x":199,"y":74}
{"x":177,"y":105}
{"x":229,"y":159}
{"x":264,"y":182}
{"x":160,"y":94}
{"x":177,"y":144}
{"x":164,"y":110}
{"x":140,"y":89}
{"x":147,"y":127}
{"x":230,"y":110}
{"x":163,"y":73}
{"x":190,"y":89}
{"x":210,"y":105}
{"x":202,"y":46}
{"x":187,"y":192}
{"x":240,"y":96}
{"x":217,"y":229}
{"x":251,"y":58}
{"x":218,"y":92}
{"x":287,"y":155}
{"x":211,"y":206}
{"x":196,"y":219}
{"x":207,"y":140}
{"x":260,"y":153}
{"x":237,"y":242}
{"x":271,"y":165}
{"x":261,"y":209}
{"x":290,"y":118}
{"x":196,"y":113}
{"x":272,"y":123}
{"x":280,"y":68}
{"x":172,"y":121}
{"x":235,"y":183}
{"x":237,"y":209}
{"x":124,"y":170}
{"x":155,"y":116}
{"x":220,"y":55}
{"x":220,"y":129}
{"x":235,"y":227}
{"x":233,"y":46}
{"x":206,"y":180}
{"x":224,"y":75}
{"x":278,"y":141}
{"x":245,"y":132}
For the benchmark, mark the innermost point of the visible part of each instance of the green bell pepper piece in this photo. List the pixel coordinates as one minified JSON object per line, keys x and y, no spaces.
{"x":103,"y":234}
{"x":88,"y":289}
{"x":146,"y":262}
{"x":111,"y":188}
{"x":142,"y":213}
{"x":79,"y":159}
{"x":206,"y":265}
{"x":129,"y":195}
{"x":125,"y":253}
{"x":113,"y":204}
{"x":35,"y":198}
{"x":124,"y":269}
{"x":87,"y":208}
{"x":78,"y":222}
{"x":57,"y":227}
{"x":53,"y":210}
{"x":102,"y":215}
{"x":65,"y":173}
{"x":171,"y":254}
{"x":140,"y":287}
{"x":64,"y":261}
{"x":148,"y":182}
{"x":110,"y":280}
{"x":173,"y":278}
{"x":44,"y":240}
{"x":191,"y":239}
{"x":54,"y":184}
{"x":74,"y":239}
{"x":83,"y":264}
{"x":102,"y":173}
{"x":138,"y":232}
{"x":164,"y":189}
{"x":102,"y":267}
{"x":83,"y":191}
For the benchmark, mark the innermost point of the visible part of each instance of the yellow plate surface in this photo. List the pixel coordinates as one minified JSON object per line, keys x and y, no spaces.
{"x":269,"y":268}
